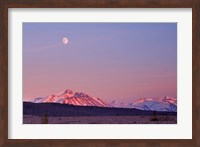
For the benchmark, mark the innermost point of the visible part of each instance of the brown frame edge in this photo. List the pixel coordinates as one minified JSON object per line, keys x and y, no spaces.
{"x":194,"y":4}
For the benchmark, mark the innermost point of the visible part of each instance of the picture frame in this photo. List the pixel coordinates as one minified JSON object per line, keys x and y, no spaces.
{"x":4,"y":56}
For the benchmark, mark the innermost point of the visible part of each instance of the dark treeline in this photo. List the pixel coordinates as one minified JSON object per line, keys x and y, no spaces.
{"x":55,"y":109}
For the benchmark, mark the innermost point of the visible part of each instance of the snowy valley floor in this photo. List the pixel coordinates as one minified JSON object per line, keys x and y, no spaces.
{"x":29,"y":119}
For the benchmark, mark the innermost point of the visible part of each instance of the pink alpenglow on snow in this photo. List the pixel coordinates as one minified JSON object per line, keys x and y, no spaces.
{"x":82,"y":99}
{"x":73,"y":98}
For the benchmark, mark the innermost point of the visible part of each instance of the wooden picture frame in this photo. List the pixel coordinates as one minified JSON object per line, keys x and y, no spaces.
{"x":194,"y":4}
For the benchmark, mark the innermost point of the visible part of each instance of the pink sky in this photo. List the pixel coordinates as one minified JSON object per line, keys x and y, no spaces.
{"x":113,"y":61}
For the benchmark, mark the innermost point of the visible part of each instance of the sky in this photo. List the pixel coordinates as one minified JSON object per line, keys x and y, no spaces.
{"x":112,"y":61}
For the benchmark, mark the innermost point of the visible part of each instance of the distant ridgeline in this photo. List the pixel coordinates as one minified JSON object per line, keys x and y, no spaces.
{"x":82,"y":99}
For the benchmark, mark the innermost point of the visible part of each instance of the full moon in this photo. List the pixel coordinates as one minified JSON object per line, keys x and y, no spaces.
{"x":65,"y":40}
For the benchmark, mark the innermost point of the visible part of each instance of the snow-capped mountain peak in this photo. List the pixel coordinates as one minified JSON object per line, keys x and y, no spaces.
{"x":82,"y":99}
{"x":73,"y":98}
{"x":158,"y":104}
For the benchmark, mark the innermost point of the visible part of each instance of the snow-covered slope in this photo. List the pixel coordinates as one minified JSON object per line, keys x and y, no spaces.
{"x":73,"y":98}
{"x":158,"y":104}
{"x":118,"y":104}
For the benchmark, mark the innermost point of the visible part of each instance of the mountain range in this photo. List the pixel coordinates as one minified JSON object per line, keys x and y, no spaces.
{"x":150,"y":104}
{"x":81,"y":99}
